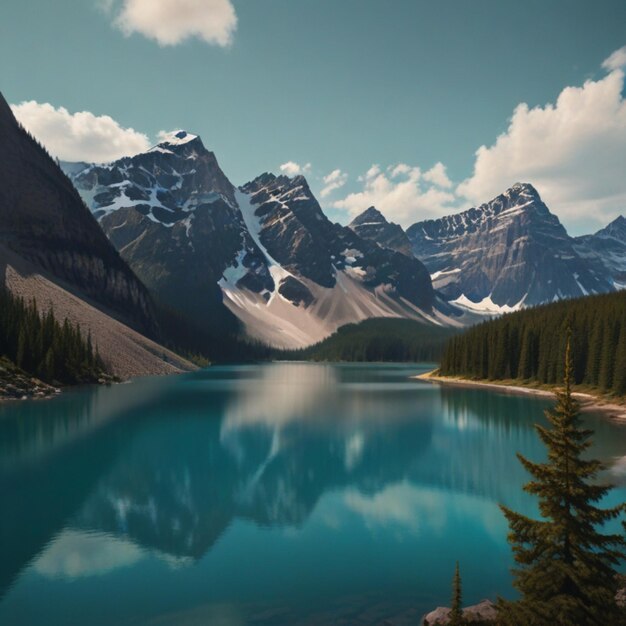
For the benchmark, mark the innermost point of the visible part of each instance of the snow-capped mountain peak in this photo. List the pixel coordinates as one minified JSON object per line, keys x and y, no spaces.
{"x":178,"y":137}
{"x":165,"y":183}
{"x":511,"y":250}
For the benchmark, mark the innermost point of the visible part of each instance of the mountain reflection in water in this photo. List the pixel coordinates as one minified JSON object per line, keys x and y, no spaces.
{"x":284,"y":484}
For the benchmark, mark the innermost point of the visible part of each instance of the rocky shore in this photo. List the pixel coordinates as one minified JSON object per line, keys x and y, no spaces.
{"x":15,"y":384}
{"x":481,"y":614}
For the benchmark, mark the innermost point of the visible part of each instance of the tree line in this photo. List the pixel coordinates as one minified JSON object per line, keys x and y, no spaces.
{"x":55,"y":352}
{"x":527,"y":345}
{"x":378,"y":339}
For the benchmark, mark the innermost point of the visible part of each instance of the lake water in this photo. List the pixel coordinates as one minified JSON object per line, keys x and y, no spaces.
{"x":263,"y":494}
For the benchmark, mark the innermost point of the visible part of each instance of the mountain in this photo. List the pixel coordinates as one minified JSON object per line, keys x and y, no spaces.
{"x":372,"y":225}
{"x":171,"y":212}
{"x":45,"y":222}
{"x":52,"y":249}
{"x":505,"y":254}
{"x":325,"y":275}
{"x":608,"y":247}
{"x":264,"y":254}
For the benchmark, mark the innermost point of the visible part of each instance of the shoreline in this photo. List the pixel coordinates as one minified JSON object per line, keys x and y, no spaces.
{"x":589,"y":403}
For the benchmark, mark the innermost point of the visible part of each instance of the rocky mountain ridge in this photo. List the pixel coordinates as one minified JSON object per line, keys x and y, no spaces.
{"x":505,"y":254}
{"x":372,"y":225}
{"x":607,"y":247}
{"x":264,"y":254}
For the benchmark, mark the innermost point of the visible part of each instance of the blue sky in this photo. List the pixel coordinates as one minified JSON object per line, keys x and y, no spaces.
{"x":342,"y":85}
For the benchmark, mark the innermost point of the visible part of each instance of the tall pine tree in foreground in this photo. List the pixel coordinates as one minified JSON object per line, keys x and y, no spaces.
{"x":456,"y":612}
{"x":566,"y":567}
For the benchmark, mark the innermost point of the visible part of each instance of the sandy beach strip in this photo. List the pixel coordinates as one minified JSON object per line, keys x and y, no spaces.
{"x":588,"y":402}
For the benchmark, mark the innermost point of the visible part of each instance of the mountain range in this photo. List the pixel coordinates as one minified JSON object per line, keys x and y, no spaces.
{"x":111,"y":246}
{"x":265,"y":255}
{"x":508,"y":253}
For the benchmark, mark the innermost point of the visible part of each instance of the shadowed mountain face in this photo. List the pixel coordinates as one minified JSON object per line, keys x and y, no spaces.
{"x":266,"y":250}
{"x":511,"y":250}
{"x":608,"y":247}
{"x":44,"y":222}
{"x":372,"y":225}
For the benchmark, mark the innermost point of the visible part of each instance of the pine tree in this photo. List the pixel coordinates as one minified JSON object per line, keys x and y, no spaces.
{"x":566,"y":566}
{"x":605,"y":377}
{"x":619,"y":379}
{"x":456,"y":612}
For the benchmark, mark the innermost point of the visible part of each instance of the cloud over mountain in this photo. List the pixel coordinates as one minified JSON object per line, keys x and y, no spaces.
{"x":402,"y":192}
{"x":573,"y":151}
{"x":333,"y":181}
{"x":80,"y":136}
{"x":291,"y":168}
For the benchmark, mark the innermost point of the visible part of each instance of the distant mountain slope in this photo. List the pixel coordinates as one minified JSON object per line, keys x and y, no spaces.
{"x":507,"y":253}
{"x":44,"y":221}
{"x":379,"y":339}
{"x":264,"y":254}
{"x":608,"y":247}
{"x":52,"y":249}
{"x":372,"y":225}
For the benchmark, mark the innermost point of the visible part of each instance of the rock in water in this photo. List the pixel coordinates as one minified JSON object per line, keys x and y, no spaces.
{"x":484,"y":612}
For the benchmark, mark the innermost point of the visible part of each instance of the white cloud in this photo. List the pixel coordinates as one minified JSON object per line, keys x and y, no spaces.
{"x":615,"y":61}
{"x":333,"y":181}
{"x":402,"y":193}
{"x":572,"y":151}
{"x":169,"y":22}
{"x":437,"y":175}
{"x":80,"y":136}
{"x":396,"y":170}
{"x":291,"y":168}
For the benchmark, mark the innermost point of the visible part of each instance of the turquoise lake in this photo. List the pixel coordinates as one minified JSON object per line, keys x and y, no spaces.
{"x":264,"y":494}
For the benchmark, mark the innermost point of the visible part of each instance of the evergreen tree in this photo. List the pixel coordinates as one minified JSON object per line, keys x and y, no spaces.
{"x":619,"y":380}
{"x":38,"y":344}
{"x":566,"y":566}
{"x":456,"y":612}
{"x":528,"y":344}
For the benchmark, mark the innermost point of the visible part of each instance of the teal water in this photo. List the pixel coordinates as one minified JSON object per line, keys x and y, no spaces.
{"x":264,"y":494}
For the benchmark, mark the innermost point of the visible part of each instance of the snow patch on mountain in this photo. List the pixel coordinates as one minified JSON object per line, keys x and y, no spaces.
{"x":279,"y":323}
{"x":175,"y":138}
{"x":487,"y":305}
